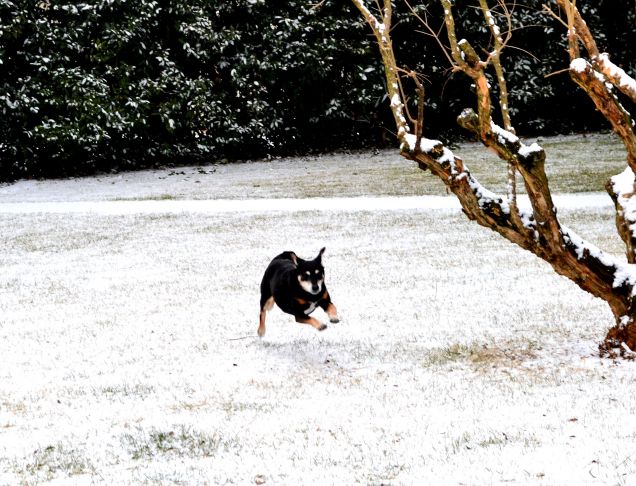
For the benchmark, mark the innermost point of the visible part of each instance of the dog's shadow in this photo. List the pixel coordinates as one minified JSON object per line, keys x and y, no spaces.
{"x":312,"y":353}
{"x":299,"y":349}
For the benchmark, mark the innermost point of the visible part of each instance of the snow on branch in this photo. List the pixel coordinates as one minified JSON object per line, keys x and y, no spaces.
{"x":488,"y":208}
{"x":506,"y":144}
{"x":617,"y":76}
{"x":624,"y":274}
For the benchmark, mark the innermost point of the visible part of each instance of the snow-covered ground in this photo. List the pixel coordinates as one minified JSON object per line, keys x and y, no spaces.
{"x":128,"y":348}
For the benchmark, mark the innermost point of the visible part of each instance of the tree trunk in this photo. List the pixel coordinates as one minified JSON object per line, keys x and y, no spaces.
{"x":537,"y":230}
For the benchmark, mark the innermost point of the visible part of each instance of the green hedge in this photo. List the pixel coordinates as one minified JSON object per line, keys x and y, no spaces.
{"x":114,"y":84}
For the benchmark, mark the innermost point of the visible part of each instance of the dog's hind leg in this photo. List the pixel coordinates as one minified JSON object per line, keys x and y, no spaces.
{"x":312,"y":322}
{"x":265,"y":306}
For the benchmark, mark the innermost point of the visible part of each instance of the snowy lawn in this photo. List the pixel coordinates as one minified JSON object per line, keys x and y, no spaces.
{"x":130,"y":356}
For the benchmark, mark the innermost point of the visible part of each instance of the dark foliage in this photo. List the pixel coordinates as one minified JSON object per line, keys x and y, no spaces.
{"x":112,"y":84}
{"x":538,"y":104}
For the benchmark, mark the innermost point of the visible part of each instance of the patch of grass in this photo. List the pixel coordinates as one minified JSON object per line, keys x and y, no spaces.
{"x":594,"y":158}
{"x":13,"y":407}
{"x":48,"y":462}
{"x":470,"y":441}
{"x":481,"y":356}
{"x":391,"y":473}
{"x":151,"y":197}
{"x":231,"y":407}
{"x":458,"y":443}
{"x":184,"y":442}
{"x":445,"y":355}
{"x":600,"y":226}
{"x":125,"y":390}
{"x":565,"y":156}
{"x":41,"y":241}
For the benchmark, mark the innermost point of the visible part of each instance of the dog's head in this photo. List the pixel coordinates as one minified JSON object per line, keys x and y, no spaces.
{"x":311,"y":273}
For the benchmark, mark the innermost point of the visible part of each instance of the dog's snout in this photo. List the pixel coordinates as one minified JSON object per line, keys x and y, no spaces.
{"x":315,"y":288}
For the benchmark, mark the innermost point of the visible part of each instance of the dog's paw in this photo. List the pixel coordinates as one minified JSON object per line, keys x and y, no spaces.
{"x":334,"y":319}
{"x":323,"y":327}
{"x":261,"y":332}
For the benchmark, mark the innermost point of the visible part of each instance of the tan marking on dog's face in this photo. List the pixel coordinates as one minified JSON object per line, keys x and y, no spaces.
{"x":304,"y":279}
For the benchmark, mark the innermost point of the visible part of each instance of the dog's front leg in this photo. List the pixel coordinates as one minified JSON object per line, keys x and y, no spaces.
{"x":312,"y":322}
{"x":332,"y":313}
{"x":329,"y":308}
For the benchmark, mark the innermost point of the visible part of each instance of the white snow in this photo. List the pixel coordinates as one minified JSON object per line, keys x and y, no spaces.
{"x":526,"y":150}
{"x":623,"y":183}
{"x":427,"y":145}
{"x":487,"y":197}
{"x":285,"y":205}
{"x":623,"y":187}
{"x":624,"y":272}
{"x":579,"y":65}
{"x":503,"y":134}
{"x":129,"y":352}
{"x":623,"y":80}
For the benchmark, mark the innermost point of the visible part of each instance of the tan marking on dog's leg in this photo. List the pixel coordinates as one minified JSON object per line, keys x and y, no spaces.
{"x":261,"y":323}
{"x":269,"y":303}
{"x":332,"y":312}
{"x":312,"y":322}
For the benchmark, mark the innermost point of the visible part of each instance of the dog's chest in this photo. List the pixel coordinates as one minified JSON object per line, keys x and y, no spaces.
{"x":305,"y":306}
{"x":311,"y":308}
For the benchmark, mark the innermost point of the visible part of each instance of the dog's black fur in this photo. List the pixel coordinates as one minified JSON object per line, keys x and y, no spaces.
{"x":297,"y":286}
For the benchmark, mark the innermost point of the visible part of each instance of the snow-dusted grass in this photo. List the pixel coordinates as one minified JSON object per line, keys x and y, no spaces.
{"x":130,"y":356}
{"x":575,"y":163}
{"x":578,"y":163}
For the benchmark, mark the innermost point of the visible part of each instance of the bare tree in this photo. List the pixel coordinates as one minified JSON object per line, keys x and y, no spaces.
{"x":538,"y":228}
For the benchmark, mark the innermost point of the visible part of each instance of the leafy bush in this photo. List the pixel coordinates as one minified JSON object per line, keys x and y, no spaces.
{"x":113,"y":84}
{"x":538,"y":48}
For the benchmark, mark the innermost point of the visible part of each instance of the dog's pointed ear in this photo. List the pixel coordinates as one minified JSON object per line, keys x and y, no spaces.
{"x":293,"y":257}
{"x":319,"y":257}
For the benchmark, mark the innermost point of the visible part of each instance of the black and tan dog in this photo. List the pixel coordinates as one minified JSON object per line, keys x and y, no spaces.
{"x":297,"y":286}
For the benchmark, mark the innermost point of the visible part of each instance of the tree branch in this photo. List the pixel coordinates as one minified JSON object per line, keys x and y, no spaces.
{"x":467,"y":60}
{"x":419,"y":123}
{"x":615,"y":75}
{"x":381,"y":30}
{"x":495,"y":58}
{"x":594,"y":84}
